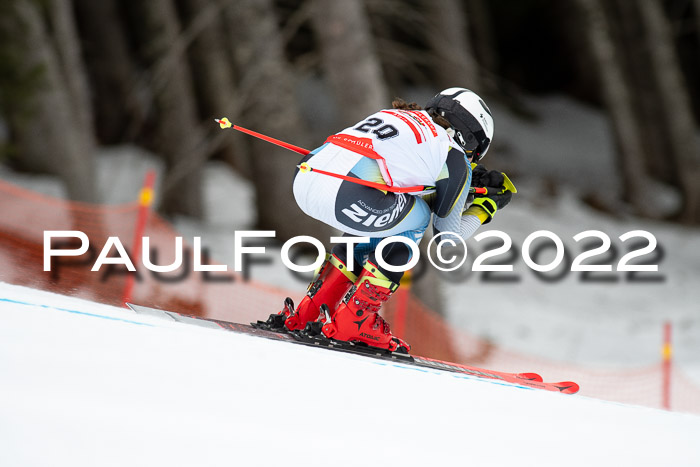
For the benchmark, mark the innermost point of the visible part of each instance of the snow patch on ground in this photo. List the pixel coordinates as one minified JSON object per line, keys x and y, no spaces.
{"x":86,"y":384}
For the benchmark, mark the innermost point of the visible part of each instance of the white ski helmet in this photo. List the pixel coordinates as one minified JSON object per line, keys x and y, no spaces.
{"x":469,"y":116}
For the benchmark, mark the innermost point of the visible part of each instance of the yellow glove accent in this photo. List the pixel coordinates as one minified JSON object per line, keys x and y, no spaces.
{"x":477,"y":211}
{"x":487,"y":205}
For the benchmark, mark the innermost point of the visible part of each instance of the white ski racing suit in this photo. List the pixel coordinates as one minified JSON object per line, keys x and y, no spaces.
{"x":396,"y":148}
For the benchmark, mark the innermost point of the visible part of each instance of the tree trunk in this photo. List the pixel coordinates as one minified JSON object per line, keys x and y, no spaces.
{"x":69,"y":51}
{"x":696,"y":7}
{"x":215,"y":76}
{"x":268,"y":86}
{"x":111,"y":69}
{"x":618,"y":101}
{"x":349,"y":59}
{"x":214,"y":68}
{"x":448,"y":36}
{"x":642,"y":84}
{"x":677,"y":113}
{"x":484,"y":44}
{"x":52,"y":125}
{"x":177,"y":133}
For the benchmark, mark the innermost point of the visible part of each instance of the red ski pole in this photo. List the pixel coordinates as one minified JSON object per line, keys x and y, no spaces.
{"x":225,"y":123}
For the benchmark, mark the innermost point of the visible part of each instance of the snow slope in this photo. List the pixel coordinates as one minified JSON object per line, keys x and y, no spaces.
{"x":88,"y":384}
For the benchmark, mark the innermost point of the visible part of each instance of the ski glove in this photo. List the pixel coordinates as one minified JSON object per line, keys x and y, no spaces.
{"x":499,"y":192}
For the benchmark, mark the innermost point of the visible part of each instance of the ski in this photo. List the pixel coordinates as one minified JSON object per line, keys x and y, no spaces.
{"x":531,"y":380}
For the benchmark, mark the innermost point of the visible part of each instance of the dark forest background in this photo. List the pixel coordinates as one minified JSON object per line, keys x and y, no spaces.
{"x":79,"y":74}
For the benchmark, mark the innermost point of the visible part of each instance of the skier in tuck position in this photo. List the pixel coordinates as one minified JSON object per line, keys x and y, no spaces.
{"x":433,"y":153}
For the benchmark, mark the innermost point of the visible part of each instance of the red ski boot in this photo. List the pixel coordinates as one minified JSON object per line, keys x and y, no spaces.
{"x":357,"y":318}
{"x":329,"y":286}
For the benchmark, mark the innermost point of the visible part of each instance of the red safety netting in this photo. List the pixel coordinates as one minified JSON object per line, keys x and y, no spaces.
{"x":425,"y":330}
{"x":25,"y":216}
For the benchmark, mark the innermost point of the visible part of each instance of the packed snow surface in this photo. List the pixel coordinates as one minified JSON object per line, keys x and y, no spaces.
{"x":85,"y":384}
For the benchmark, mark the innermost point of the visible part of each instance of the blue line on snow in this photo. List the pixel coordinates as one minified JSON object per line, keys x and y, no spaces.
{"x":434,"y":371}
{"x":437,"y":371}
{"x":17,"y":302}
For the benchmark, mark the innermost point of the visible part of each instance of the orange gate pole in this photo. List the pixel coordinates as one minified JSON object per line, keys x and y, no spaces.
{"x":667,"y":352}
{"x":145,"y":202}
